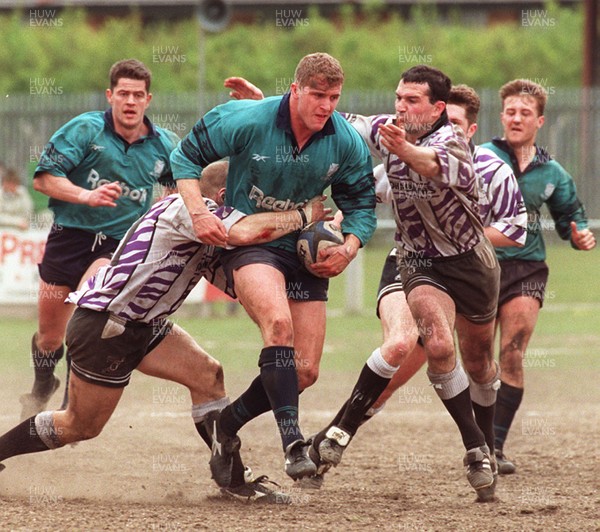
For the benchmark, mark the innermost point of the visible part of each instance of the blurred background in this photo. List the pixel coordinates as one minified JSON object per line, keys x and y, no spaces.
{"x":55,"y":58}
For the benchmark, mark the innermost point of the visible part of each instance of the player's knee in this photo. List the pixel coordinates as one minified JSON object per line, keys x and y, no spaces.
{"x":396,"y":349}
{"x":281,"y":331}
{"x":439,"y":350}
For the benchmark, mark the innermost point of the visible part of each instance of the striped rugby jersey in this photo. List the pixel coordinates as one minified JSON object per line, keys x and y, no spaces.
{"x":435,"y":217}
{"x":501,"y":204}
{"x":157,"y":264}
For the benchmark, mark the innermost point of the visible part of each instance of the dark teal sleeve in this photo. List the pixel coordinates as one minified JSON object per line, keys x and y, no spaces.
{"x":207,"y":142}
{"x":355,"y":196}
{"x":564,"y":205}
{"x":68,"y":146}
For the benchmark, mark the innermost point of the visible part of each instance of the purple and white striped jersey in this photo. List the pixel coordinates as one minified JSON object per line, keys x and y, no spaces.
{"x":157,"y":264}
{"x":501,"y":204}
{"x":435,"y":217}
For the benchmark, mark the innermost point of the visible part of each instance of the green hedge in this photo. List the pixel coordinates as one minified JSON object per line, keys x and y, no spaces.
{"x":72,"y":55}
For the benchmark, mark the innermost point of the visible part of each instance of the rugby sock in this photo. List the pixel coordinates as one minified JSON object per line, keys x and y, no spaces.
{"x":373,"y":379}
{"x":31,"y":436}
{"x":44,"y":363}
{"x":507,"y":404}
{"x":251,"y":404}
{"x":199,"y":412}
{"x":483,"y":397}
{"x":453,"y":389}
{"x":484,"y":416}
{"x":280,"y":381}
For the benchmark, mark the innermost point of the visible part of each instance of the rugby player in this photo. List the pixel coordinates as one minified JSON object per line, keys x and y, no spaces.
{"x":448,"y":267}
{"x":100,"y":170}
{"x":524,"y":272}
{"x":283,"y":150}
{"x":120,"y":324}
{"x":504,"y":218}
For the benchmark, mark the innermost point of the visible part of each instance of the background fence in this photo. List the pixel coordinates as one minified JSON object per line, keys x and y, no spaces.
{"x":571,"y":133}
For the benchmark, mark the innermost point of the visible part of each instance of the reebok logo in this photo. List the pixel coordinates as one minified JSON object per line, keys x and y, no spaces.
{"x":271,"y":203}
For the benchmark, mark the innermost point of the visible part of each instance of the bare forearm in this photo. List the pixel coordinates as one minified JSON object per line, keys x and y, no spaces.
{"x":192,"y":197}
{"x":498,"y":239}
{"x":422,"y":160}
{"x":264,"y":227}
{"x":59,"y":188}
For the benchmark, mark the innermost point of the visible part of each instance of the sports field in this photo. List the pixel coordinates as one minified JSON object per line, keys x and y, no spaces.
{"x":148,"y":469}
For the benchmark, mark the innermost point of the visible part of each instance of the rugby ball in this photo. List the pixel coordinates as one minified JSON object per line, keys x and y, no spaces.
{"x":315,"y":237}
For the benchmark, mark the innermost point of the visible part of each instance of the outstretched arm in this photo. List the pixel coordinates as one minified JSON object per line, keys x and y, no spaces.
{"x":267,"y":226}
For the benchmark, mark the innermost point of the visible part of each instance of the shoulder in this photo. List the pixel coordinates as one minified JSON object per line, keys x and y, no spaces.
{"x":254,"y":110}
{"x":91,"y":122}
{"x":167,"y":137}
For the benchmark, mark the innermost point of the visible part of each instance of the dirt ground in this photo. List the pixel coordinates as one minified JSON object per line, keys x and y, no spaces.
{"x":148,"y":469}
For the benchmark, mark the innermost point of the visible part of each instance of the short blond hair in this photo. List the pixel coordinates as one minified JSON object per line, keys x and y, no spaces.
{"x":214,"y":178}
{"x":320,"y":67}
{"x":525,"y":87}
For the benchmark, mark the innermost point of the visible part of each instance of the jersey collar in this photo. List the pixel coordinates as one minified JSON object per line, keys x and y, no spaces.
{"x":284,"y":122}
{"x":541,"y":156}
{"x":109,"y":121}
{"x":440,"y":122}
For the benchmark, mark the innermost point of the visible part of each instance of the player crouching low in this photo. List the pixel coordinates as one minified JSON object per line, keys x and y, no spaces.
{"x":121,"y":324}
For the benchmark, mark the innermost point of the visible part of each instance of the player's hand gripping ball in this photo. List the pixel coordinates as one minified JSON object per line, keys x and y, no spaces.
{"x":315,"y":237}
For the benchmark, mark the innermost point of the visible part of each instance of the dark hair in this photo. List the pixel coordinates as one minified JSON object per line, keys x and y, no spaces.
{"x":468,"y":99}
{"x":130,"y":69}
{"x":439,"y":83}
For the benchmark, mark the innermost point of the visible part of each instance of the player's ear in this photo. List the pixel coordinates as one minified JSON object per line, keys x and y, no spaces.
{"x":108,"y":94}
{"x":221,"y":196}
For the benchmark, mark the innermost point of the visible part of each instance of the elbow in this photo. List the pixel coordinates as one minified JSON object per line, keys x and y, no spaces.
{"x":38,"y":185}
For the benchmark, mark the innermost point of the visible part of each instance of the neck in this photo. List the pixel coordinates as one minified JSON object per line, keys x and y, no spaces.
{"x":524,"y":153}
{"x":131,"y":135}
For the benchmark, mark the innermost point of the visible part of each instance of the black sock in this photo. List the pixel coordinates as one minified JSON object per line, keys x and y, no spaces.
{"x":461,"y":410}
{"x":507,"y":404}
{"x":204,"y":433}
{"x":44,"y":364}
{"x":252,"y":403}
{"x":366,"y":391}
{"x":484,"y":415}
{"x":22,"y":439}
{"x":280,"y":381}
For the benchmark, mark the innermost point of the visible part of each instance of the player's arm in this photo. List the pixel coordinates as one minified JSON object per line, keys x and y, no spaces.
{"x":508,"y":224}
{"x":569,"y":213}
{"x":207,"y":227}
{"x":61,"y":188}
{"x":206,"y":143}
{"x":421,"y":159}
{"x":267,"y":226}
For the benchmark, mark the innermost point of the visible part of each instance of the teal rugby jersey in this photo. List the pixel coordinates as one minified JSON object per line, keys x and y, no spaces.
{"x":543,"y":181}
{"x":268,"y":173}
{"x":88,"y":152}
